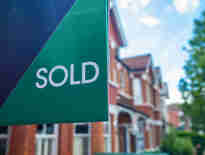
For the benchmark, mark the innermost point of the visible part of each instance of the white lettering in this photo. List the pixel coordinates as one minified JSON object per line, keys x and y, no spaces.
{"x":72,"y":75}
{"x":39,"y":76}
{"x":51,"y":76}
{"x":84,"y":81}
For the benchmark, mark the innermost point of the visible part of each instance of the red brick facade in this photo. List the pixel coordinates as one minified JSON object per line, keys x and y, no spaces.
{"x":22,"y":140}
{"x":66,"y":139}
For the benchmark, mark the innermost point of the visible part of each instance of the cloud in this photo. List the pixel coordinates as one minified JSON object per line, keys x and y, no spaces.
{"x":124,"y":4}
{"x":134,"y":8}
{"x":172,"y":77}
{"x":183,"y":6}
{"x":145,"y":3}
{"x":195,"y":3}
{"x":149,"y":21}
{"x":127,"y":52}
{"x":133,"y":5}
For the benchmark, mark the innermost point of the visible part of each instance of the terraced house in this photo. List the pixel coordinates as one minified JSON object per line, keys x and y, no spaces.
{"x":136,"y":101}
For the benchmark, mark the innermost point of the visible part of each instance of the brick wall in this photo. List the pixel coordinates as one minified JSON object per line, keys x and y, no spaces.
{"x":97,"y":137}
{"x":66,"y":139}
{"x":173,"y":118}
{"x":22,"y":140}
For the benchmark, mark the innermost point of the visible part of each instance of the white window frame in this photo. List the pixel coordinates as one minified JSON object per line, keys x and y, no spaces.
{"x":5,"y":136}
{"x":108,"y":135}
{"x":137,"y":91}
{"x":122,"y":79}
{"x":40,"y":137}
{"x":84,"y":135}
{"x":142,"y":127}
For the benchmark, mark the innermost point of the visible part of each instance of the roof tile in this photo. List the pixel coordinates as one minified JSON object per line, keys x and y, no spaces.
{"x":137,"y":62}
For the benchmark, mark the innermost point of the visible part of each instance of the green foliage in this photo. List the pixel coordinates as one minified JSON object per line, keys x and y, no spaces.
{"x":192,"y":86}
{"x":196,"y":139}
{"x":174,"y":145}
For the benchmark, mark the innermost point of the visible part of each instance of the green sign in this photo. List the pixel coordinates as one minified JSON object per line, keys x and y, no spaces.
{"x":138,"y":153}
{"x":53,"y":66}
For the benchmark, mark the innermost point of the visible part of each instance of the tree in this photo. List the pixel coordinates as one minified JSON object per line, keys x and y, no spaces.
{"x":192,"y":86}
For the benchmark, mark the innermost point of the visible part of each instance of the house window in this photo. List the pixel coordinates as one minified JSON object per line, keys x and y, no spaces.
{"x":3,"y":139}
{"x":107,"y":135}
{"x":137,"y":91}
{"x":122,"y":79}
{"x":46,"y":139}
{"x":140,"y":136}
{"x":82,"y":139}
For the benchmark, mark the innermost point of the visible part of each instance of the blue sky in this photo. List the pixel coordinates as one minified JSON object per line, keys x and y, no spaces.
{"x":162,"y":28}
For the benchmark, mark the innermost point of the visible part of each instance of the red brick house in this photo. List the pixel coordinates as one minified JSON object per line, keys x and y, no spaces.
{"x":146,"y":86}
{"x":176,"y":118}
{"x":135,"y":124}
{"x":173,"y":113}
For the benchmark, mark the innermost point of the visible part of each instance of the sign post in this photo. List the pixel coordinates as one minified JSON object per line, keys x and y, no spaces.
{"x":53,"y":61}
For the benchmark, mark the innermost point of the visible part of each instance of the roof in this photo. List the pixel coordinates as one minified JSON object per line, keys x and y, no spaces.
{"x":174,"y":107}
{"x":131,"y":107}
{"x":137,"y":63}
{"x":114,"y":14}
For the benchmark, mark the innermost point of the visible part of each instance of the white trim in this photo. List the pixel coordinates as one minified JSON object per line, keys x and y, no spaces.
{"x":85,"y":135}
{"x":108,"y":135}
{"x":113,"y":44}
{"x":113,"y":109}
{"x":119,"y":66}
{"x":114,"y":84}
{"x":117,"y":109}
{"x":128,"y":139}
{"x":157,"y":109}
{"x":45,"y":137}
{"x":122,"y":93}
{"x":6,"y":136}
{"x":9,"y":139}
{"x":137,"y":91}
{"x":132,"y":76}
{"x":119,"y":24}
{"x":145,"y":105}
{"x":57,"y":140}
{"x":156,"y":87}
{"x":155,"y":122}
{"x":144,"y":76}
{"x":3,"y":136}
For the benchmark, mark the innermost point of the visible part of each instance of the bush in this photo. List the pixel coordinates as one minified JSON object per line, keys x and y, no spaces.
{"x":167,"y":144}
{"x":174,"y":145}
{"x":195,"y":138}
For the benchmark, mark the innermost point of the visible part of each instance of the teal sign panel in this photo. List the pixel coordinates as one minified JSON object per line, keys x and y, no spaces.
{"x":138,"y":153}
{"x":53,"y":61}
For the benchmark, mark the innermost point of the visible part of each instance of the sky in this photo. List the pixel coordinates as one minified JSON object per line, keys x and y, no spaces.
{"x":162,"y":28}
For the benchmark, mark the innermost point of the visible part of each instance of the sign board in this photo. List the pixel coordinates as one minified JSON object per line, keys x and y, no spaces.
{"x":137,"y":153}
{"x":53,"y":61}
